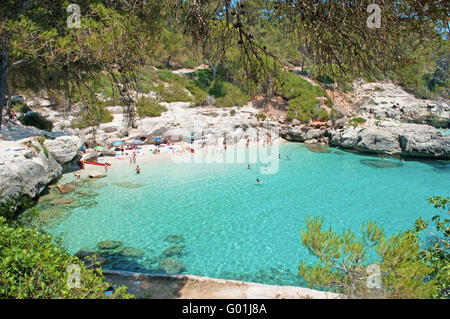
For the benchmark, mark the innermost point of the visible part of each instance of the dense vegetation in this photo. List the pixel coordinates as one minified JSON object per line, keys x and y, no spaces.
{"x":405,"y":267}
{"x":33,"y":264}
{"x":246,"y":44}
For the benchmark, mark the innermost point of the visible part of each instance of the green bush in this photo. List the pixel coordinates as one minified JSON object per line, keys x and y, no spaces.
{"x":202,"y":78}
{"x":36,"y":120}
{"x":356,"y":121}
{"x":21,"y":108}
{"x":92,"y":114}
{"x":41,"y":140}
{"x":198,"y":93}
{"x":173,"y":93}
{"x":32,"y":266}
{"x":261,"y":116}
{"x":190,"y":63}
{"x":149,"y":107}
{"x":323,"y":114}
{"x":12,"y":206}
{"x":232,"y":111}
{"x":228,"y":95}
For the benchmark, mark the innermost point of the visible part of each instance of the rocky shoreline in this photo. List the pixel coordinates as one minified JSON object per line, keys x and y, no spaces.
{"x":32,"y":159}
{"x":198,"y":287}
{"x":383,"y":120}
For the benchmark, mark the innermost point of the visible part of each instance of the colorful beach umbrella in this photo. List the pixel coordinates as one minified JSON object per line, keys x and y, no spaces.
{"x":117,"y":143}
{"x":99,"y":148}
{"x":137,"y":141}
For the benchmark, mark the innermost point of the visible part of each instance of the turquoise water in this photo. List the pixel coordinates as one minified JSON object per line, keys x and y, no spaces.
{"x":234,"y":228}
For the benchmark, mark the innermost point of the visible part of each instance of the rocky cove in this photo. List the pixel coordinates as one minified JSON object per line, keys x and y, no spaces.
{"x":378,"y":118}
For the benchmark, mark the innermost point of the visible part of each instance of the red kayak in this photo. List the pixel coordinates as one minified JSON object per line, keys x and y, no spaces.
{"x":96,"y":163}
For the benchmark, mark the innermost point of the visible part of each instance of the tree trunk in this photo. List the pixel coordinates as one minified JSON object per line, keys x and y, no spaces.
{"x":3,"y":88}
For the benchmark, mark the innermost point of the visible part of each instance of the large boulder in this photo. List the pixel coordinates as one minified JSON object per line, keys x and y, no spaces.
{"x":64,"y":149}
{"x":349,"y":138}
{"x":420,"y":146}
{"x":91,"y":156}
{"x":25,"y":172}
{"x":392,"y":137}
{"x":378,"y":142}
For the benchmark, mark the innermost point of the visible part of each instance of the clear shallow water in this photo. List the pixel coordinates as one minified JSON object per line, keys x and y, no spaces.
{"x":234,"y":228}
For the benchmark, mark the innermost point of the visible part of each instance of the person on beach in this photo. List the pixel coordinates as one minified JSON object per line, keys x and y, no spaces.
{"x":138,"y":170}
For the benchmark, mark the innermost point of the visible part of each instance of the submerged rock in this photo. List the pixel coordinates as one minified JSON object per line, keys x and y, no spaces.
{"x":86,"y":193}
{"x":316,"y":148}
{"x":128,"y":185}
{"x":62,"y":201}
{"x":97,"y":175}
{"x":66,"y":188}
{"x":89,"y":204}
{"x":174,"y":239}
{"x":171,"y":265}
{"x":380,"y":163}
{"x":174,"y":251}
{"x":109,"y":244}
{"x":131,"y":252}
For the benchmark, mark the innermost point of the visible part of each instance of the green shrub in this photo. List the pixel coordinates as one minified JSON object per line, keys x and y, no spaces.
{"x":149,"y":107}
{"x":92,"y":114}
{"x":232,"y":111}
{"x":346,"y":88}
{"x":21,"y":108}
{"x":261,"y":116}
{"x":356,"y":121}
{"x":190,"y":63}
{"x":32,"y":267}
{"x":198,"y":93}
{"x":36,"y":120}
{"x":12,"y":206}
{"x":323,"y":114}
{"x":173,"y":93}
{"x":228,"y":95}
{"x":202,"y":78}
{"x":41,"y":140}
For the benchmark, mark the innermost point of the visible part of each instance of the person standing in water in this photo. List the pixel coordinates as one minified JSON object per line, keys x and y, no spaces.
{"x":248,"y":166}
{"x":138,"y":170}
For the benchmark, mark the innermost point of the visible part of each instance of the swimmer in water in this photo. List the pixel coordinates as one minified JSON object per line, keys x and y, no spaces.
{"x":248,"y":167}
{"x":259,"y":182}
{"x":138,"y":170}
{"x":287,"y":157}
